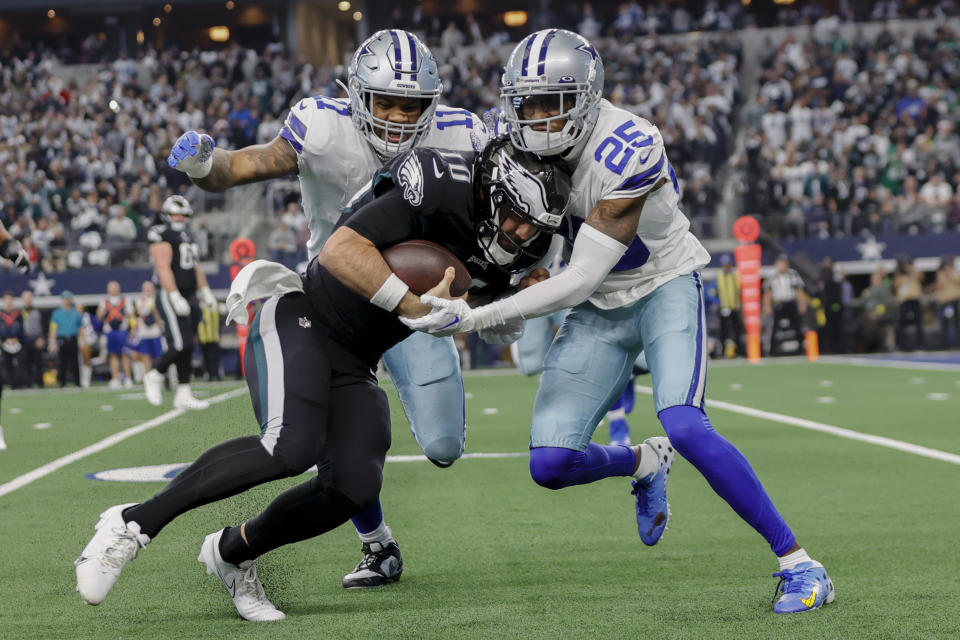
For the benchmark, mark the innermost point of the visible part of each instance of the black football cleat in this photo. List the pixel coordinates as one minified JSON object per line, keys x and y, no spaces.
{"x":381,"y":564}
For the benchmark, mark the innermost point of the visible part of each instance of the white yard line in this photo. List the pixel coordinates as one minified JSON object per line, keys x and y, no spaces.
{"x":891,"y":364}
{"x":50,"y":467}
{"x":850,"y":434}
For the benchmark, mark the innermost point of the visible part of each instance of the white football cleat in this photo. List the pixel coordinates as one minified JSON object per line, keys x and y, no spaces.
{"x":241,"y":582}
{"x":110,"y":549}
{"x":153,"y":387}
{"x":114,"y":383}
{"x":3,"y":443}
{"x":185,"y":400}
{"x":127,"y":383}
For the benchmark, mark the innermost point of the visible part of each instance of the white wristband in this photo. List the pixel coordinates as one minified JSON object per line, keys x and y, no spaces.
{"x":390,"y":293}
{"x":201,"y":170}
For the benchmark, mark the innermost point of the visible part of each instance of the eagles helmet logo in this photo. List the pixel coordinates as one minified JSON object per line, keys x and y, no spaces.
{"x":410,"y":176}
{"x":527,"y":193}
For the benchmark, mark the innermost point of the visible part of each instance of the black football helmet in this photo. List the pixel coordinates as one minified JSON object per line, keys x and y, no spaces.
{"x":175,"y":205}
{"x":510,"y":182}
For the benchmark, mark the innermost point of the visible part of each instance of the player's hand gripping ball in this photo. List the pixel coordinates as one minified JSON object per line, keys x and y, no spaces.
{"x":421,"y":265}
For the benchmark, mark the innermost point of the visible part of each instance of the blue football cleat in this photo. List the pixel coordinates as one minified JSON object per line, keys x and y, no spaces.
{"x":620,"y":432}
{"x":653,"y":510}
{"x":804,"y":588}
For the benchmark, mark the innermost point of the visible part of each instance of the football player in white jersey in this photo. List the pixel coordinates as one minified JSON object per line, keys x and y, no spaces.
{"x":335,"y":146}
{"x":633,"y":285}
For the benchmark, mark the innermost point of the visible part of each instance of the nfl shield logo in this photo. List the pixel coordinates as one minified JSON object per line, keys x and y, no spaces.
{"x":305,"y":323}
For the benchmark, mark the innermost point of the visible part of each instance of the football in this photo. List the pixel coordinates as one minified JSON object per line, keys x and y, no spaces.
{"x":421,"y":263}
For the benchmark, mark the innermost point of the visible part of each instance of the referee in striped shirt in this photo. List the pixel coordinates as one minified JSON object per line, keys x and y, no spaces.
{"x":783,"y":296}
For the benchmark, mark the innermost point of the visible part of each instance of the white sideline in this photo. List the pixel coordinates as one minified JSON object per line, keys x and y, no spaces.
{"x":109,"y":441}
{"x":850,"y":434}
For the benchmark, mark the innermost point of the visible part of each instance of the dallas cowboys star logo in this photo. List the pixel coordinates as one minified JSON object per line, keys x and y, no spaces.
{"x":871,"y":249}
{"x":42,"y":285}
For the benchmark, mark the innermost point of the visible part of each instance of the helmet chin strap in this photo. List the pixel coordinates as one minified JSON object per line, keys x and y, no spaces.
{"x":178,"y":226}
{"x":498,"y":254}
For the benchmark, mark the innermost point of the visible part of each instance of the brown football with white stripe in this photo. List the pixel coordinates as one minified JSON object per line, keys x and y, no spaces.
{"x":421,"y":264}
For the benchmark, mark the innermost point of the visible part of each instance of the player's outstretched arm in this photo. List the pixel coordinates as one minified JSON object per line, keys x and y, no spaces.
{"x":599,"y":245}
{"x":215,"y":169}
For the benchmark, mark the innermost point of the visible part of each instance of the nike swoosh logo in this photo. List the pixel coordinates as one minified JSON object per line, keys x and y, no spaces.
{"x":455,"y":321}
{"x":232,"y":587}
{"x":809,"y":601}
{"x":436,"y":170}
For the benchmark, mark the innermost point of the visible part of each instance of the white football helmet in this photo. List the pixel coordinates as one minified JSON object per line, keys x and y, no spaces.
{"x":556,"y":70}
{"x":392,"y":62}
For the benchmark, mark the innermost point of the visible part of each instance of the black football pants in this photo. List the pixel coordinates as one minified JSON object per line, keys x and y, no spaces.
{"x":316,"y":404}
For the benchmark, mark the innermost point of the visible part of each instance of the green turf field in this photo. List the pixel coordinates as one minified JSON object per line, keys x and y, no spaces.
{"x":488,"y":554}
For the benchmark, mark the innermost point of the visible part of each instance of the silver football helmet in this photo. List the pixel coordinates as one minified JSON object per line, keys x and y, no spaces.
{"x":556,"y":72}
{"x":396,"y":63}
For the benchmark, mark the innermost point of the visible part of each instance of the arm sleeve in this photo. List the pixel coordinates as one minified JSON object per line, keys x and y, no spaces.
{"x":594,"y":255}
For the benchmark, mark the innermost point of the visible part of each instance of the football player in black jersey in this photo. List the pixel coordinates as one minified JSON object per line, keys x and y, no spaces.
{"x":312,"y":354}
{"x":180,"y":283}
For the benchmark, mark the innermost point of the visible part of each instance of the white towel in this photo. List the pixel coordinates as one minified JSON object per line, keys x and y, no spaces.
{"x":259,"y":279}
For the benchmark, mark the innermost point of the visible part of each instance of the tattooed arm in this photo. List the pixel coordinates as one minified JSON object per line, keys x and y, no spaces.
{"x":258,"y":162}
{"x":618,"y":218}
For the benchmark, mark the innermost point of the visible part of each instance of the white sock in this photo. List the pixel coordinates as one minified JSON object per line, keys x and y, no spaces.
{"x":3,"y":443}
{"x":791,"y":560}
{"x":381,"y":534}
{"x":138,"y":372}
{"x":649,"y":462}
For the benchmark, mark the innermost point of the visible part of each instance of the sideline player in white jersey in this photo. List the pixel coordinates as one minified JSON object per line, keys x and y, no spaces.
{"x":633,"y":285}
{"x":336,"y":146}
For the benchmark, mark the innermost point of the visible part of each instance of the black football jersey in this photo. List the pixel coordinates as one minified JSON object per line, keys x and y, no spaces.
{"x":421,"y":194}
{"x":186,"y":256}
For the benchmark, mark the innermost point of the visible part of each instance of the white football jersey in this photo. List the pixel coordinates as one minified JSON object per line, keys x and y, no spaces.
{"x":335,"y":160}
{"x":624,"y":157}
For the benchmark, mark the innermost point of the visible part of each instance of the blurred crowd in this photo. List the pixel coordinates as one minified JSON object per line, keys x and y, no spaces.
{"x":844,"y":136}
{"x":850,"y":136}
{"x":116,"y":340}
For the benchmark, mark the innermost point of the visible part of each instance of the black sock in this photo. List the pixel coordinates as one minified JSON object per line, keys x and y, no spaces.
{"x":232,"y":546}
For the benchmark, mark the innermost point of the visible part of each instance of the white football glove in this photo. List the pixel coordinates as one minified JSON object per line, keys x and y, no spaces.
{"x":206,"y":298}
{"x":180,"y":305}
{"x":448,"y":317}
{"x":503,"y":335}
{"x":12,"y":251}
{"x":192,"y":153}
